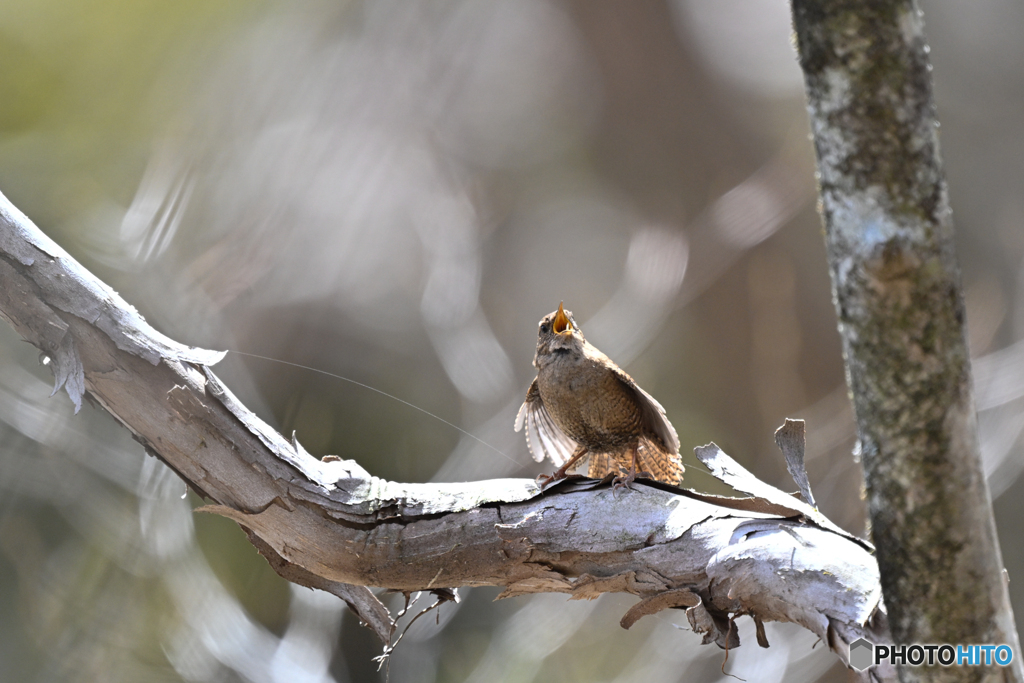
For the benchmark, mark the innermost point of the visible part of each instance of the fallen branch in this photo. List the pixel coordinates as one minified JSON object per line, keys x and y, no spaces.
{"x":330,"y":525}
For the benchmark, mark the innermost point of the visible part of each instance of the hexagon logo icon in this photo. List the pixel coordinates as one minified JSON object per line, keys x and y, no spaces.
{"x":862,"y":653}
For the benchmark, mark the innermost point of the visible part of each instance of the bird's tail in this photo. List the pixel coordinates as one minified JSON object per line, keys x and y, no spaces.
{"x":601,"y":465}
{"x":662,"y":465}
{"x":651,"y":458}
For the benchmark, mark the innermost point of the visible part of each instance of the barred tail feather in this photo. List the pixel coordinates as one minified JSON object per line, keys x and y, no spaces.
{"x":601,"y":465}
{"x":651,"y":458}
{"x":664,"y":466}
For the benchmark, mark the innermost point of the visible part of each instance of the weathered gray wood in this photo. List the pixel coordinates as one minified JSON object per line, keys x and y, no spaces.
{"x":331,"y":525}
{"x":889,"y":235}
{"x":792,"y":442}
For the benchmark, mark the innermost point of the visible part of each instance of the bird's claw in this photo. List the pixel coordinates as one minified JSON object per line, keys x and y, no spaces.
{"x":547,"y":479}
{"x":625,"y":482}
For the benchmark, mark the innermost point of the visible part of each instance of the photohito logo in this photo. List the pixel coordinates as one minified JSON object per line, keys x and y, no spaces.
{"x":864,"y":653}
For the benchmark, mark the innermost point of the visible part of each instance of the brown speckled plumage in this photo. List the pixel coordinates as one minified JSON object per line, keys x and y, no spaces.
{"x":583,"y":405}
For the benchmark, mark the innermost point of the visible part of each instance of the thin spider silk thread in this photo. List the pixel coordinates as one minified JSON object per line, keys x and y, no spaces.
{"x":382,"y":393}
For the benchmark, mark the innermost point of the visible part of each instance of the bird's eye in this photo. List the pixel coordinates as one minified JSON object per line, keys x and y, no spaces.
{"x":545,"y":328}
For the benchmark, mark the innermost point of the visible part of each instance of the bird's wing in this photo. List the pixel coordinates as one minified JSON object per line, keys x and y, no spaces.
{"x":543,"y":436}
{"x":651,"y":413}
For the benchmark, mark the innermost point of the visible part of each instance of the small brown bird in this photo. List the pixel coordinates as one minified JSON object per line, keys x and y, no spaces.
{"x":582,"y":404}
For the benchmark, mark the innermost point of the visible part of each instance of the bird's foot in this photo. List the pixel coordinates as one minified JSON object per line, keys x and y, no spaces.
{"x":562,"y":472}
{"x":544,"y":480}
{"x":624,"y":482}
{"x":620,"y":481}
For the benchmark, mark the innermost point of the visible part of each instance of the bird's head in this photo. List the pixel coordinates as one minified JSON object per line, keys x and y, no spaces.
{"x":558,"y":334}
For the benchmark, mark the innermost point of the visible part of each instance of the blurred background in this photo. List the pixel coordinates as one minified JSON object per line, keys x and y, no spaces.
{"x":396,"y":192}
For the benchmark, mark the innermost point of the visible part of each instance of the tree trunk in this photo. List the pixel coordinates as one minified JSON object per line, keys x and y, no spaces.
{"x":889,"y":236}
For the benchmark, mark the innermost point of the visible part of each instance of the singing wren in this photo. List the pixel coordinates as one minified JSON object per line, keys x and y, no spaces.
{"x":584,"y":405}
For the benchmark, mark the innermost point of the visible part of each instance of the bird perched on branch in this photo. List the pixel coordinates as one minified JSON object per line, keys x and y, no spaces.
{"x":583,"y":405}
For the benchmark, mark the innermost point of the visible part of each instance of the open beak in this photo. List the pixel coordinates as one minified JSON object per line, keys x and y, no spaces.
{"x":562,"y":324}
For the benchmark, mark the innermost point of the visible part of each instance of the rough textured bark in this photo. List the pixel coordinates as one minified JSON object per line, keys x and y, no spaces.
{"x":329,"y":524}
{"x":889,"y":235}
